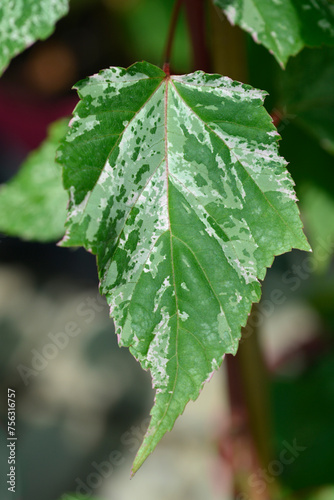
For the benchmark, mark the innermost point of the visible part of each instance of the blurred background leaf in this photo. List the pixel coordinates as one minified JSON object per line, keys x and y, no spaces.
{"x":283,"y":27}
{"x":33,"y":204}
{"x":22,"y":23}
{"x":306,"y":94}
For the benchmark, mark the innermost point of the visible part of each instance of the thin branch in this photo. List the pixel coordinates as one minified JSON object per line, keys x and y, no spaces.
{"x":171,"y":33}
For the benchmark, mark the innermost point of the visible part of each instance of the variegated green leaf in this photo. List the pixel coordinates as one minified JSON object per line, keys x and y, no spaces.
{"x":22,"y":22}
{"x":310,"y":106}
{"x":176,"y":185}
{"x":284,"y":27}
{"x":33,"y":203}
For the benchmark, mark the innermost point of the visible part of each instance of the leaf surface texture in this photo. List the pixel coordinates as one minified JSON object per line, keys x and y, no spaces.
{"x":22,"y":22}
{"x":177,"y":186}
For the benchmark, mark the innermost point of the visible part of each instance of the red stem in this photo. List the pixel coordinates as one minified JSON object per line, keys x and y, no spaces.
{"x":196,"y":18}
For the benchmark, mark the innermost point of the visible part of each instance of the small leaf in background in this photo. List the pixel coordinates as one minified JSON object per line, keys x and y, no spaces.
{"x":22,"y":22}
{"x":284,"y":27}
{"x":311,"y":105}
{"x":33,"y":203}
{"x":318,"y":213}
{"x":176,"y":185}
{"x":76,"y":497}
{"x":303,"y":411}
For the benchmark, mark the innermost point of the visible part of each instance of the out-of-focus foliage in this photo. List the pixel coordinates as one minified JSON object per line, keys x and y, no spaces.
{"x":318,"y":209}
{"x":77,"y":497}
{"x":325,"y":493}
{"x":303,"y":410}
{"x":301,"y":99}
{"x":306,"y":94}
{"x":33,"y":204}
{"x":170,"y":189}
{"x":146,"y":24}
